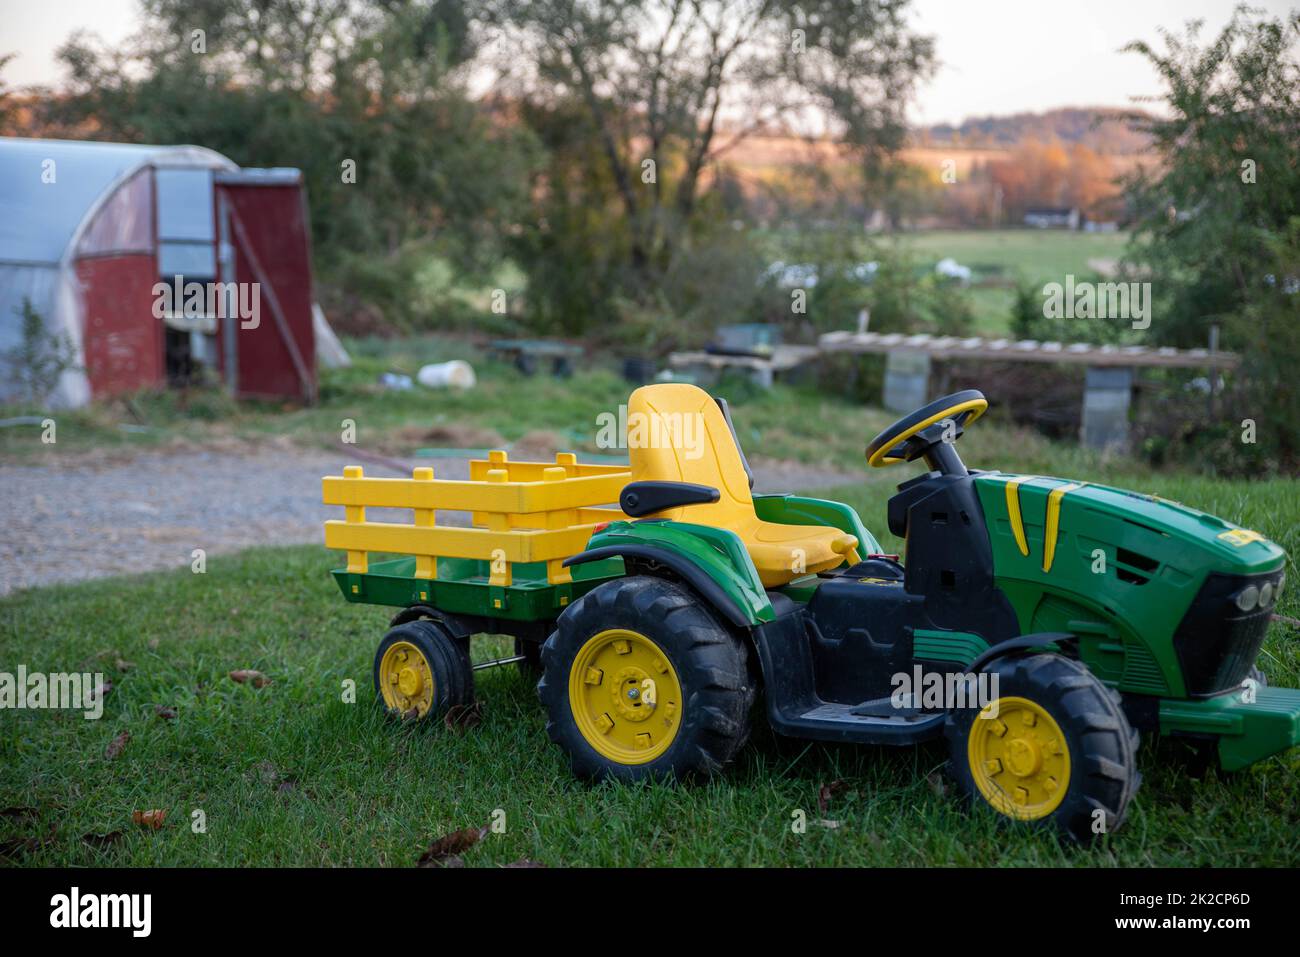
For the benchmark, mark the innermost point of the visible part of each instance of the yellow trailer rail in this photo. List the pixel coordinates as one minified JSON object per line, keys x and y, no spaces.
{"x":521,"y":513}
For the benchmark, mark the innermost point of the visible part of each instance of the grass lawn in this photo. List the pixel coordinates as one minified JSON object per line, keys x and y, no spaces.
{"x":774,"y":424}
{"x":1007,"y":256}
{"x":290,"y":774}
{"x":293,"y":774}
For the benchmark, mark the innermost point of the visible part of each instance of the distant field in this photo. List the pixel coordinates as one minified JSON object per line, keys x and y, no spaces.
{"x":1001,"y":256}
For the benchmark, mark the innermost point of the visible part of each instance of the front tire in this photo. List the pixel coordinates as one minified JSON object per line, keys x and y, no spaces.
{"x":1059,"y":751}
{"x":641,"y":680}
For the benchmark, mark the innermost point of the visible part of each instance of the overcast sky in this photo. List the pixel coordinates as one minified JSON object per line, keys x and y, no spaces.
{"x":999,"y":56}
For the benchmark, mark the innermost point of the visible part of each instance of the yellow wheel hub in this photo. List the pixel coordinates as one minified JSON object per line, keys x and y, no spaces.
{"x":625,"y":696}
{"x":406,"y":679}
{"x":1019,"y":758}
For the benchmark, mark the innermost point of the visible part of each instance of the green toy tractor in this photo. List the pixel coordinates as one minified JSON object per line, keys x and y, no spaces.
{"x":1037,"y":625}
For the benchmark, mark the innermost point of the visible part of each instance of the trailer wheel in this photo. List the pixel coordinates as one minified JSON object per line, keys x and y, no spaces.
{"x":641,"y":680}
{"x":1058,"y":751}
{"x":421,"y":670}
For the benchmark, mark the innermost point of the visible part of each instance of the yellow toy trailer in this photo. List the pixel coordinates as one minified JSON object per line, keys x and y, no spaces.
{"x":504,"y":574}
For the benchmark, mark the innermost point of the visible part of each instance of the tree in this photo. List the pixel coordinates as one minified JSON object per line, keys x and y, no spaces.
{"x":1217,"y":225}
{"x":367,"y":98}
{"x":1230,"y":180}
{"x":641,"y":100}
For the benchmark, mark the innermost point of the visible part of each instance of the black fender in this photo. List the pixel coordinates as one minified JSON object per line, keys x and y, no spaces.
{"x":686,"y":569}
{"x":1020,"y":643}
{"x":458,"y":629}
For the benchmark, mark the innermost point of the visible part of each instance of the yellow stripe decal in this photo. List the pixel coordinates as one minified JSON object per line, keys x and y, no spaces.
{"x":1013,"y":511}
{"x":1054,"y":521}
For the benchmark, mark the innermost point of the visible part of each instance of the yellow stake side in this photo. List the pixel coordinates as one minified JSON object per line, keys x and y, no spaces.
{"x":521,"y":512}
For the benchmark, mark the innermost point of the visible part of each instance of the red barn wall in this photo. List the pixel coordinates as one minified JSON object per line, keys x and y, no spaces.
{"x":123,"y":340}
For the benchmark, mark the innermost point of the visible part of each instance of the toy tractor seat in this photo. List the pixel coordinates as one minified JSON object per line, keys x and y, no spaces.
{"x":677,"y":433}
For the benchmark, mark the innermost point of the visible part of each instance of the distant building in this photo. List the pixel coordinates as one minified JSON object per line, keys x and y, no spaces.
{"x":1052,"y":217}
{"x":89,"y":234}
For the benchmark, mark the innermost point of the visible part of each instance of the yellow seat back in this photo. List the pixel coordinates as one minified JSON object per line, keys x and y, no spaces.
{"x":677,"y":433}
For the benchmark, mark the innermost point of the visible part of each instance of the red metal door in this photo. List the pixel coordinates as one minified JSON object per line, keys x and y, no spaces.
{"x":262,"y":218}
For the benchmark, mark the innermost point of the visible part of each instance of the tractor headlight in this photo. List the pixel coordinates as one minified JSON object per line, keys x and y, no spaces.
{"x":1265,"y":594}
{"x":1248,"y":598}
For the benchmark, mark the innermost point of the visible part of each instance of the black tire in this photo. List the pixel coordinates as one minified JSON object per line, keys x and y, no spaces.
{"x":1102,"y":746}
{"x":710,"y":663}
{"x":447,"y":660}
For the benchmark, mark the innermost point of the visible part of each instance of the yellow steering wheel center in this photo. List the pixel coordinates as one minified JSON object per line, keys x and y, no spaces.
{"x":625,"y":696}
{"x":406,"y":679}
{"x":973,"y":408}
{"x":1019,"y":758}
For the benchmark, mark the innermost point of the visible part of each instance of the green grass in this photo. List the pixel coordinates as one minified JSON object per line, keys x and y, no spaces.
{"x":291,"y":774}
{"x":774,"y":424}
{"x":1035,"y":254}
{"x":1000,"y":258}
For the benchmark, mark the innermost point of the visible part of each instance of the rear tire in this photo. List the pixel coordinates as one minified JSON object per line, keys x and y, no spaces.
{"x":421,"y":671}
{"x":617,"y":644}
{"x":1061,"y":751}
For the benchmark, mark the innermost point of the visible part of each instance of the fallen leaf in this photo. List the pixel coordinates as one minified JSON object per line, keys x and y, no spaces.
{"x":937,"y":783}
{"x":123,"y":665}
{"x":464,"y":716}
{"x":116,"y":745}
{"x":150,"y":819}
{"x":411,"y":714}
{"x":102,"y":841}
{"x":19,"y":813}
{"x":16,"y":846}
{"x":255,"y":678}
{"x":101,"y":691}
{"x":164,"y":712}
{"x":153,"y":644}
{"x":446,"y":849}
{"x":286,"y":787}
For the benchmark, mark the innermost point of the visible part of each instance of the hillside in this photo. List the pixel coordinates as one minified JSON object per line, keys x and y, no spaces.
{"x":1107,"y":130}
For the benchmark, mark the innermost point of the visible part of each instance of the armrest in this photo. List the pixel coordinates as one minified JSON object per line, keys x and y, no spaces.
{"x":645,"y":498}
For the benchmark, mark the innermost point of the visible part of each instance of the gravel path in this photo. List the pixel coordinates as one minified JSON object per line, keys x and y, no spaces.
{"x":67,"y":522}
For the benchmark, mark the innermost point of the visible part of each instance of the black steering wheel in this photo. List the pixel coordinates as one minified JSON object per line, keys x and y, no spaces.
{"x":904,"y":441}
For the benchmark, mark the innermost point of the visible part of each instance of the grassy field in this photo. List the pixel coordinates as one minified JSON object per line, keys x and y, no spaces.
{"x":503,"y":407}
{"x":1000,"y":258}
{"x":292,"y":773}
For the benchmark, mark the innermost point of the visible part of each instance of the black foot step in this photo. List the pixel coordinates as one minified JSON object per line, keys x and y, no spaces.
{"x":850,"y":714}
{"x":886,"y":708}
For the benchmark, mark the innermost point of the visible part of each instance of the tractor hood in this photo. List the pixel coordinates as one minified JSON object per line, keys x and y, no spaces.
{"x":1234,"y":549}
{"x":1172,"y":601}
{"x":1156,"y":524}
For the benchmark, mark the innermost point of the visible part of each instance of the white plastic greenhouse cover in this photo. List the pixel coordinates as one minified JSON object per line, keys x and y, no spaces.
{"x":50,"y":191}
